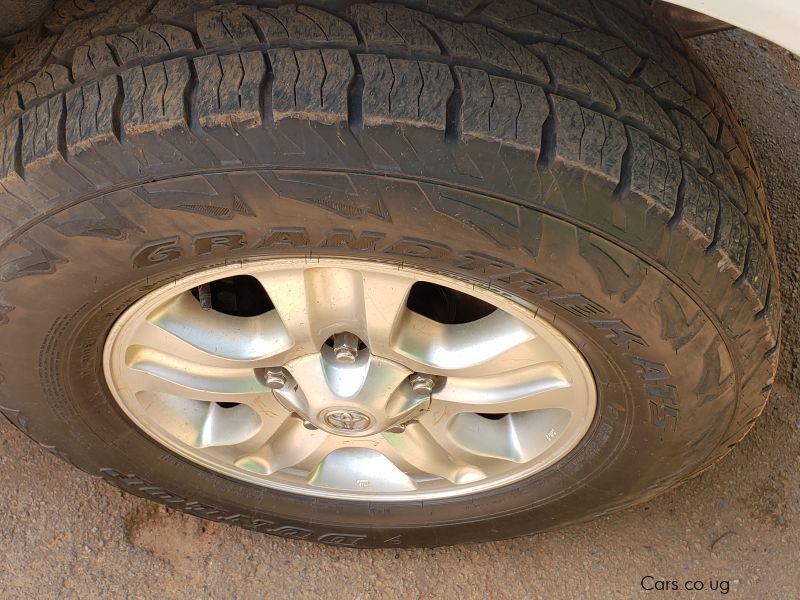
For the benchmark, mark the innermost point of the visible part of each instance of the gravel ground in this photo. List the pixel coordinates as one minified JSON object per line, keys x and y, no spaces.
{"x":64,"y":534}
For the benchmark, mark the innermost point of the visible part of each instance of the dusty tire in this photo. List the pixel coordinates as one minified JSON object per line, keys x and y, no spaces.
{"x":575,"y":157}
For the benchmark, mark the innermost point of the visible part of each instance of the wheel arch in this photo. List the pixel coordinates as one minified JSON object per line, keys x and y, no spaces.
{"x":775,"y":20}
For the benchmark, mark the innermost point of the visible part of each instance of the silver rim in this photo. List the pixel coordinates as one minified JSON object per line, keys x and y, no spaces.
{"x":338,"y":389}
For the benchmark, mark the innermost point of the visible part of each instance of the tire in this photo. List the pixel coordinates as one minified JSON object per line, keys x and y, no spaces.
{"x":572,"y":156}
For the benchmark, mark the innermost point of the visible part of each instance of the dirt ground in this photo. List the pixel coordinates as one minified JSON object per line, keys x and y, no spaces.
{"x":735,"y":528}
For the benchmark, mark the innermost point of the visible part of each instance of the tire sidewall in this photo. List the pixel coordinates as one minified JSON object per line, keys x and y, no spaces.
{"x":610,"y":304}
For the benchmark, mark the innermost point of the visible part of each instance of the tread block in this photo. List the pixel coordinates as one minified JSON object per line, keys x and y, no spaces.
{"x":391,"y":26}
{"x":322,"y":83}
{"x":606,"y":49}
{"x":378,"y":82}
{"x":505,"y":108}
{"x":286,"y":72}
{"x":756,"y":275}
{"x":154,"y":94}
{"x":229,"y":86}
{"x":146,"y":42}
{"x":437,"y":89}
{"x":151,"y":41}
{"x":526,"y":18}
{"x":95,"y":55}
{"x":532,"y":115}
{"x":67,"y":11}
{"x":90,"y":113}
{"x":453,"y":40}
{"x":120,"y":15}
{"x":406,"y":91}
{"x":693,"y":141}
{"x":563,"y":24}
{"x":505,"y":53}
{"x":700,"y":204}
{"x":499,"y":108}
{"x":178,"y":9}
{"x":574,"y":72}
{"x":478,"y":99}
{"x":311,"y":82}
{"x":301,"y":24}
{"x":225,"y":27}
{"x":579,"y":11}
{"x":25,"y":57}
{"x":589,"y":137}
{"x":460,"y":8}
{"x":655,"y":170}
{"x":40,"y":130}
{"x":335,"y":29}
{"x":725,"y":177}
{"x":733,"y":237}
{"x":11,"y":104}
{"x":637,"y":105}
{"x":603,"y":143}
{"x":9,"y":137}
{"x":46,"y":82}
{"x":570,"y":128}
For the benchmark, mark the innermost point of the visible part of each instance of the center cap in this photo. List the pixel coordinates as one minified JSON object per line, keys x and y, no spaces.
{"x":346,"y":421}
{"x":365,"y":397}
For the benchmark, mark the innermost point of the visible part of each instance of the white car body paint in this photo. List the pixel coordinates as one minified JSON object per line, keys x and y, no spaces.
{"x":775,"y":20}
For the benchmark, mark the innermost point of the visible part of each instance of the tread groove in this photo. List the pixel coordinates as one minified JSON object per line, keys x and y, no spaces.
{"x":625,"y":184}
{"x":189,"y":98}
{"x":677,"y":216}
{"x":454,"y":110}
{"x":549,"y":145}
{"x":715,"y":240}
{"x":266,"y":90}
{"x":355,"y":97}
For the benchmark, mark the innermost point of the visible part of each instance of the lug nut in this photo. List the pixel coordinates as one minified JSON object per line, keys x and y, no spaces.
{"x":309,"y":425}
{"x":345,"y":347}
{"x":421,"y":384}
{"x":397,"y":428}
{"x":276,"y":378}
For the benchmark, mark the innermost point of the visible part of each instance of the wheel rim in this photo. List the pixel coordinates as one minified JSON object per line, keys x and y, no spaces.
{"x":334,"y":382}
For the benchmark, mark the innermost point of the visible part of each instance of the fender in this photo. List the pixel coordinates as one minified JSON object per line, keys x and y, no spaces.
{"x":775,"y":20}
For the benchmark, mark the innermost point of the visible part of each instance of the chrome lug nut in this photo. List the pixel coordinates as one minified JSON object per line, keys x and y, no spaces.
{"x":309,"y":425}
{"x":397,"y":428}
{"x":421,"y":384}
{"x":276,"y":378}
{"x":345,"y":347}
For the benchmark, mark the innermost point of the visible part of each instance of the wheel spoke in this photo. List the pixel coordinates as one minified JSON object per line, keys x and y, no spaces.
{"x":518,"y":437}
{"x":316,"y":303}
{"x":156,"y":371}
{"x":384,"y":308}
{"x":149,"y":335}
{"x":289,"y":294}
{"x":289,"y":445}
{"x":536,"y":387}
{"x":204,"y":424}
{"x":418,"y":447}
{"x":441,"y":349}
{"x":220,"y":335}
{"x":226,"y":426}
{"x":360,"y":470}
